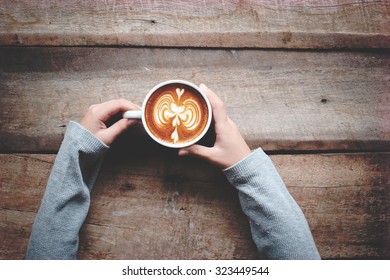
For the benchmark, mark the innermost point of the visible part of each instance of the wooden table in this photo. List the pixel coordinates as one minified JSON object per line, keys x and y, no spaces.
{"x":308,"y":81}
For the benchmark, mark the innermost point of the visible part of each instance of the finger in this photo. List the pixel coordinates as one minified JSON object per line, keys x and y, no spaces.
{"x":218,"y":107}
{"x":110,"y":108}
{"x":111,"y":133}
{"x":197,"y":150}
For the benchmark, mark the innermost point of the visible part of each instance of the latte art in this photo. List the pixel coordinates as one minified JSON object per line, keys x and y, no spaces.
{"x":182,"y":114}
{"x":177,"y":114}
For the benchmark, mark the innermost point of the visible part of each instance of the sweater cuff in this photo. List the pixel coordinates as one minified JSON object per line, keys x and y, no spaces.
{"x":85,"y":140}
{"x":247,"y":167}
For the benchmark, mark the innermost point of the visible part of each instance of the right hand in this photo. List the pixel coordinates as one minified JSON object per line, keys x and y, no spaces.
{"x":229,"y":147}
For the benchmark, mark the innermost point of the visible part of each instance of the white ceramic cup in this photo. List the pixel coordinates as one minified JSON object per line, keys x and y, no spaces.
{"x":141,"y":114}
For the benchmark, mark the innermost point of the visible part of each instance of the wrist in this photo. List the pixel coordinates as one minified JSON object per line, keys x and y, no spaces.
{"x":240,"y":159}
{"x":85,"y":138}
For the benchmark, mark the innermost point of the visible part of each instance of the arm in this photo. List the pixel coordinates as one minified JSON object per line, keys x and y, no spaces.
{"x":278,"y":226}
{"x":65,"y":204}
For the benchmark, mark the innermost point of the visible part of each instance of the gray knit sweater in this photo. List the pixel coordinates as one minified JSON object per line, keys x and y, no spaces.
{"x":279,"y":229}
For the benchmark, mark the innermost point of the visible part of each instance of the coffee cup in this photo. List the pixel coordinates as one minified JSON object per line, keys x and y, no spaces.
{"x":174,"y":113}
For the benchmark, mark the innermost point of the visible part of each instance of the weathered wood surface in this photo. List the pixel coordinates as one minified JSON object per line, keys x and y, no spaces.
{"x":229,"y":23}
{"x":280,"y":100}
{"x":154,"y":207}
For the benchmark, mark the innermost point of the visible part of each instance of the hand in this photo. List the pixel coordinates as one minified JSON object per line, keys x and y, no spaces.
{"x":96,"y":116}
{"x":229,"y":147}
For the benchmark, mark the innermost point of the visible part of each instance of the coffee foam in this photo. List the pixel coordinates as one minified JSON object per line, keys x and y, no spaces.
{"x":176,"y":113}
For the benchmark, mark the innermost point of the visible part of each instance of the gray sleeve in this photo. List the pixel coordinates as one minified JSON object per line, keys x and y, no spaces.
{"x":278,"y":226}
{"x":65,"y":203}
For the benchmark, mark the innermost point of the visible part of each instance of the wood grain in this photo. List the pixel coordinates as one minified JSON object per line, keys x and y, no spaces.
{"x":153,"y":207}
{"x":180,"y":23}
{"x":281,"y":100}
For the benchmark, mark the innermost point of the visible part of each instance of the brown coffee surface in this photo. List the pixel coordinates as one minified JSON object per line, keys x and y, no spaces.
{"x":176,"y":113}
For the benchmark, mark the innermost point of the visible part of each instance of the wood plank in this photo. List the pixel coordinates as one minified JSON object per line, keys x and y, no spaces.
{"x":165,"y":207}
{"x":280,"y":100}
{"x":228,"y":23}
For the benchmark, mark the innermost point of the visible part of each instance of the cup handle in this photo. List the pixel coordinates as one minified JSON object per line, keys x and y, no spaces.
{"x":132,"y":115}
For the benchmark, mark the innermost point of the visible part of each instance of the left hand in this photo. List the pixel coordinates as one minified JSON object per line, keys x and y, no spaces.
{"x":96,"y":116}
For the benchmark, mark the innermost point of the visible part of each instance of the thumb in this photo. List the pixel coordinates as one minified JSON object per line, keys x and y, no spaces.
{"x":109,"y":134}
{"x":196,"y":150}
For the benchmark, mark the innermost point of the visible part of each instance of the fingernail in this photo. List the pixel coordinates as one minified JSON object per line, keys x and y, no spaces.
{"x":183,"y":152}
{"x":203,"y":86}
{"x":131,"y":122}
